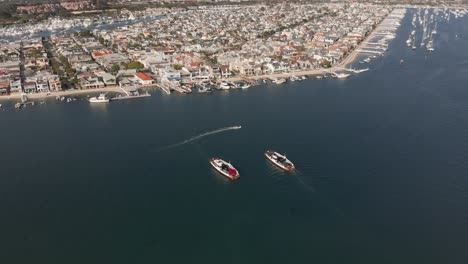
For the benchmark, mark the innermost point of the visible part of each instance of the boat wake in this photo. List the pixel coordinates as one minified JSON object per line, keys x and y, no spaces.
{"x":199,"y":137}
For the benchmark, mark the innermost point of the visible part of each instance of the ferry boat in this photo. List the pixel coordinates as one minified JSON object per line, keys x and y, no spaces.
{"x":99,"y":99}
{"x":225,"y":168}
{"x":279,"y":160}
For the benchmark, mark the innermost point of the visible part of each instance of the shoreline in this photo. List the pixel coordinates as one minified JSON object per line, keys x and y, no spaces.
{"x":340,"y":66}
{"x":17,"y":96}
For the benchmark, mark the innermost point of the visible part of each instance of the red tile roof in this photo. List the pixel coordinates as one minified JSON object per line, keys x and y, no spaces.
{"x":143,"y":76}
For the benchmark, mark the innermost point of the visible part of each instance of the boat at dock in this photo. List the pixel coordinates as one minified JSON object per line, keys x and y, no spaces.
{"x":132,"y":95}
{"x":244,"y":85}
{"x":279,"y":160}
{"x":224,"y":85}
{"x":99,"y":99}
{"x":279,"y":81}
{"x":225,"y":168}
{"x":294,"y":78}
{"x":342,"y":75}
{"x":203,"y":89}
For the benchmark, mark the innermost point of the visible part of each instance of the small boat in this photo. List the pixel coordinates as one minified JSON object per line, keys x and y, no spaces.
{"x":304,"y":77}
{"x":244,"y":85}
{"x":279,"y":160}
{"x":100,"y":99}
{"x":342,"y":75}
{"x":203,"y":89}
{"x":279,"y":81}
{"x":293,"y":78}
{"x":225,"y":168}
{"x":224,"y":85}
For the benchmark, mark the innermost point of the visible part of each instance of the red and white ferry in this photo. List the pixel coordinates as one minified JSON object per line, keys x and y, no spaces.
{"x":225,"y":168}
{"x":279,"y":160}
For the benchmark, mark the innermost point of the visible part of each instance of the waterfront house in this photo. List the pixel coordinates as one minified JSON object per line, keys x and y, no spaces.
{"x":91,"y":83}
{"x":108,"y":78}
{"x":42,"y":84}
{"x":143,"y":78}
{"x":4,"y":86}
{"x":15,"y":84}
{"x":54,"y":83}
{"x":29,"y":87}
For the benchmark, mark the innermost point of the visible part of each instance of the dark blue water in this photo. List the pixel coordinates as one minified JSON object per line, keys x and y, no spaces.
{"x":382,"y":177}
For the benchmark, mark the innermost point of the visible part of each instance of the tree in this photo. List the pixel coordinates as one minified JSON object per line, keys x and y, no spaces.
{"x":213,"y":60}
{"x":325,"y":64}
{"x":69,"y":70}
{"x":85,"y":33}
{"x":115,"y":68}
{"x":177,"y":67}
{"x":135,"y":65}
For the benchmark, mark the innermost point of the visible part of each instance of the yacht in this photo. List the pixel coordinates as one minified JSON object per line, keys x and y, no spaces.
{"x":279,"y":160}
{"x":99,"y":99}
{"x":225,"y":168}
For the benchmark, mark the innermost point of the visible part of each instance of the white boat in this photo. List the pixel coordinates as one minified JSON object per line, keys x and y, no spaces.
{"x":279,"y":160}
{"x":342,"y":75}
{"x":225,"y":168}
{"x":294,"y":78}
{"x":224,"y":86}
{"x":99,"y":99}
{"x":244,"y":85}
{"x":279,"y":81}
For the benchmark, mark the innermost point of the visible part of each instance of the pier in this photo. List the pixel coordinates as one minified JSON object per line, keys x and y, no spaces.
{"x":369,"y":51}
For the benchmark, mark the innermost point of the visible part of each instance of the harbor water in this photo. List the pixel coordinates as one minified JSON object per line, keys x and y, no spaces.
{"x":381,"y":157}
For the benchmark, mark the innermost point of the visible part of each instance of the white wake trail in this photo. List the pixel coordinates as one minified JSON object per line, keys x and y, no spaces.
{"x":199,"y":136}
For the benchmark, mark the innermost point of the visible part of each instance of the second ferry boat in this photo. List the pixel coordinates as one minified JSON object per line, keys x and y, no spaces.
{"x":279,"y":160}
{"x":225,"y":168}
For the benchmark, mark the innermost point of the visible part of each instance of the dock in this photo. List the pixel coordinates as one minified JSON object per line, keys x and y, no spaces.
{"x":131,"y":96}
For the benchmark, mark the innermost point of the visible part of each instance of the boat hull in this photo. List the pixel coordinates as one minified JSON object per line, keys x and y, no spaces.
{"x":224,"y":173}
{"x":278,"y":164}
{"x":98,"y":101}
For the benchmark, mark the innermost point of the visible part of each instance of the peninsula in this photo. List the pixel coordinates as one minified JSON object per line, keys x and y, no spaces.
{"x":178,"y":48}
